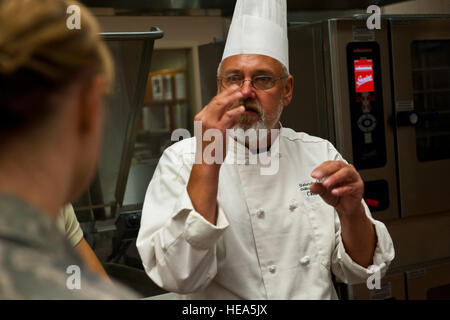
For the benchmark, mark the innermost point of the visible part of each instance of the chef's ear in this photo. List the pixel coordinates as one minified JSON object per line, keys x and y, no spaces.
{"x":288,"y":89}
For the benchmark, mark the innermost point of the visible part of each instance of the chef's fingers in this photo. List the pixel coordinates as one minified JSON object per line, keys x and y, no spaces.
{"x":343,"y":176}
{"x":347,"y":190}
{"x":224,"y":101}
{"x":229,"y":91}
{"x":231,"y":117}
{"x":318,"y":188}
{"x":327,"y":168}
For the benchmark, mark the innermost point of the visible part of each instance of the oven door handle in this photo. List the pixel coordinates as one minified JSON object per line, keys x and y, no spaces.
{"x":412,"y":118}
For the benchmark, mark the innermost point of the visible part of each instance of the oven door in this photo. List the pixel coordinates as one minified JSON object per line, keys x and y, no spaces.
{"x":359,"y":62}
{"x":421,"y":77}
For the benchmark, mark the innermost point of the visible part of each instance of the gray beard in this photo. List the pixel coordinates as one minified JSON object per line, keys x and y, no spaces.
{"x":260,"y":131}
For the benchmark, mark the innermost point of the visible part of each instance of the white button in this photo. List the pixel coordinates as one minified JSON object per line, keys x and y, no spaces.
{"x":293,"y":205}
{"x":275,"y":155}
{"x":305,"y":260}
{"x":272,"y":269}
{"x":260,"y":213}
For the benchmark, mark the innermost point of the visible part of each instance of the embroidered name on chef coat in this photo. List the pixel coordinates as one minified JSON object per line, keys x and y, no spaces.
{"x":304,"y":188}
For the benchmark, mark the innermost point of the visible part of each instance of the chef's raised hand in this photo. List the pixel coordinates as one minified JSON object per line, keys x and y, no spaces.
{"x":218,"y":115}
{"x":341,"y":187}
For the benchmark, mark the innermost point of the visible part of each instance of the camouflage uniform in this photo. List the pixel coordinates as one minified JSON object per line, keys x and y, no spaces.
{"x":35,"y":256}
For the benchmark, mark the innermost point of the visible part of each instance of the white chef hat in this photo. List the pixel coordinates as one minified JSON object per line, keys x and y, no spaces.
{"x":259,"y":27}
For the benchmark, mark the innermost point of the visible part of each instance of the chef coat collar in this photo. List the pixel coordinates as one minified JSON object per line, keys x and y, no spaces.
{"x":238,"y":153}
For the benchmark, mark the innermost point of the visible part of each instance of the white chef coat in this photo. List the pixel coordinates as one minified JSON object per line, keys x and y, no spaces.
{"x":273,"y":239}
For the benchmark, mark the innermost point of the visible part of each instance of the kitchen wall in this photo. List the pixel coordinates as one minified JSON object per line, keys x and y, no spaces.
{"x":180,"y":32}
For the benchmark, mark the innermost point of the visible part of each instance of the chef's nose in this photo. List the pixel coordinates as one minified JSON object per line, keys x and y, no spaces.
{"x":247,"y":90}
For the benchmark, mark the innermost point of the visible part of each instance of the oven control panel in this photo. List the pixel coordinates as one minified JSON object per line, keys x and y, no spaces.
{"x":366,"y":105}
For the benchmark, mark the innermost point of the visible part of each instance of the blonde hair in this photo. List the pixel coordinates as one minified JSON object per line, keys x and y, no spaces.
{"x":40,"y":56}
{"x":34,"y":35}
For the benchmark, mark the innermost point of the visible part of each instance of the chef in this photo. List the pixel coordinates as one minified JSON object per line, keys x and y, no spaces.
{"x":227,"y":231}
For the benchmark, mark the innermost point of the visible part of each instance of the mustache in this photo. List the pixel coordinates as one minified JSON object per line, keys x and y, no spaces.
{"x":248,"y":105}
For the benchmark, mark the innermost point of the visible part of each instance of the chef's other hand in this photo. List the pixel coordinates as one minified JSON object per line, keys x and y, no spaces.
{"x":218,"y":115}
{"x":341,"y":187}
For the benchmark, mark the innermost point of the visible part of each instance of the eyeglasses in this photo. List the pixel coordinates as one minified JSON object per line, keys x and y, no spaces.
{"x":258,"y":82}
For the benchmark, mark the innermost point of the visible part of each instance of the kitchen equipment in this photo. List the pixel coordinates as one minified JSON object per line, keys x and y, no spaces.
{"x":132,"y":55}
{"x":383,"y":98}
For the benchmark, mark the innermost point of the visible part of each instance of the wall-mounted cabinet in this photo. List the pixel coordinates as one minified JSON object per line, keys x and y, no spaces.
{"x":166,"y":108}
{"x":166,"y":101}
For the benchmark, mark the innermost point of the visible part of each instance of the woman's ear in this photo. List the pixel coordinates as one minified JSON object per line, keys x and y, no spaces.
{"x":91,"y":104}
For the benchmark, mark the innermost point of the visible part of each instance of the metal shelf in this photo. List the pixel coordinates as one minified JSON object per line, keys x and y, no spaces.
{"x":155,"y":33}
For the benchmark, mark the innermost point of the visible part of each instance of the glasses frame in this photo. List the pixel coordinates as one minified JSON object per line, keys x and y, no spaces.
{"x":251,"y":81}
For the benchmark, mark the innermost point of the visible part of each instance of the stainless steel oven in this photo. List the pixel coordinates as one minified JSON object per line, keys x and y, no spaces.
{"x":421,"y":50}
{"x":383,"y":98}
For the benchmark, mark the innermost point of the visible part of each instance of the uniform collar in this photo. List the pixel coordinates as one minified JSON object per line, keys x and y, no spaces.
{"x":26,"y":224}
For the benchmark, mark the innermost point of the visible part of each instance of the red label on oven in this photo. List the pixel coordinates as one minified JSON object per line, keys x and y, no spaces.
{"x":364,"y":76}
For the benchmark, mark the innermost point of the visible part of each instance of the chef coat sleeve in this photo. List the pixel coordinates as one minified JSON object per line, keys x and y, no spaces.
{"x":342,"y":265}
{"x":176,"y":244}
